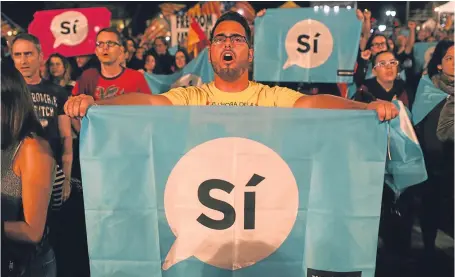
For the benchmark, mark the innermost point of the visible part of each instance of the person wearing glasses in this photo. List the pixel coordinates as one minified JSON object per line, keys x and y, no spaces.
{"x":385,"y":86}
{"x":112,"y":79}
{"x":230,"y":54}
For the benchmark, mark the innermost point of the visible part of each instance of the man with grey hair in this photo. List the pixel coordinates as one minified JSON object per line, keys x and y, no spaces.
{"x":48,"y":100}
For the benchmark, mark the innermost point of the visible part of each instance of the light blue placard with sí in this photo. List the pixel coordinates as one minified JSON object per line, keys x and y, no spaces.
{"x":306,"y":45}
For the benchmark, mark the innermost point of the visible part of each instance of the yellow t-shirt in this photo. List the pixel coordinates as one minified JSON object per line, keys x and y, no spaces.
{"x":254,"y":95}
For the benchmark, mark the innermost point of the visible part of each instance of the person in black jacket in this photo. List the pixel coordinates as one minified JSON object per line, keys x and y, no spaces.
{"x":164,"y":60}
{"x":437,"y":192}
{"x":385,"y":86}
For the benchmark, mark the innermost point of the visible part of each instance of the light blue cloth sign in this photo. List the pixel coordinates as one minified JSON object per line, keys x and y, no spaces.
{"x":305,"y":45}
{"x":197,"y":72}
{"x":142,"y":167}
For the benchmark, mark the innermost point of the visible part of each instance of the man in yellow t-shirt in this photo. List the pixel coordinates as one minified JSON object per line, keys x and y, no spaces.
{"x":254,"y":95}
{"x":230,"y":55}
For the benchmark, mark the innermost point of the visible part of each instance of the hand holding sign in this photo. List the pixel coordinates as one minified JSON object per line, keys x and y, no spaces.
{"x":360,"y":15}
{"x":231,"y":201}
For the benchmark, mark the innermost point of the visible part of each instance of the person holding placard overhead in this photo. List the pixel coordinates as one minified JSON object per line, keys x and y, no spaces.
{"x":230,"y":54}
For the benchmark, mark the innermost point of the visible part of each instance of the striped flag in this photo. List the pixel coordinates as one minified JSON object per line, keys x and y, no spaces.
{"x":197,"y":40}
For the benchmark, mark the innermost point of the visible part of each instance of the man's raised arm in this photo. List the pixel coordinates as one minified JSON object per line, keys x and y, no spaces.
{"x":77,"y":106}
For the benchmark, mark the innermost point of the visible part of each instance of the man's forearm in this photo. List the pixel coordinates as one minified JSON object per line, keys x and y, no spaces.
{"x":140,"y":99}
{"x":67,"y":157}
{"x":325,"y":101}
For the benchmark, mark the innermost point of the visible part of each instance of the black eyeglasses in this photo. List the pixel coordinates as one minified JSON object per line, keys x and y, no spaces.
{"x":377,"y":45}
{"x":100,"y":44}
{"x":235,"y":39}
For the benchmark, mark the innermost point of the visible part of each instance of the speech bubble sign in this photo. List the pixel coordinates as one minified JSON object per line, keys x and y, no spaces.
{"x":187,"y":80}
{"x":69,"y":28}
{"x":309,"y":44}
{"x":225,"y":193}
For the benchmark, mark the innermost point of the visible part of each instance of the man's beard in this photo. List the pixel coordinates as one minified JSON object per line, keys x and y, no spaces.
{"x":230,"y":74}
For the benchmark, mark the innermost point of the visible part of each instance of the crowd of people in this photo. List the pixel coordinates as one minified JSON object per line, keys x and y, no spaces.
{"x":43,"y":224}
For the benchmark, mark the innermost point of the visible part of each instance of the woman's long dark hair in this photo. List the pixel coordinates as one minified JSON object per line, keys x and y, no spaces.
{"x":18,"y":114}
{"x":439,"y":52}
{"x":66,"y":65}
{"x":185,"y":53}
{"x":370,"y":41}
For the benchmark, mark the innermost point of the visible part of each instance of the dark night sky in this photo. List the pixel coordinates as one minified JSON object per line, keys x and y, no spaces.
{"x":22,"y":12}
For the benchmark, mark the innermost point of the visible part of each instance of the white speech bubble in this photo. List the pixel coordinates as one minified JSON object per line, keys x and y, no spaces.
{"x":69,"y":28}
{"x":236,"y":162}
{"x":309,"y":44}
{"x":187,"y":81}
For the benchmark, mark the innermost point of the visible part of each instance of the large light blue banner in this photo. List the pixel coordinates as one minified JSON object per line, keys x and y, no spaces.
{"x":195,"y":73}
{"x":226,"y":191}
{"x":306,"y":45}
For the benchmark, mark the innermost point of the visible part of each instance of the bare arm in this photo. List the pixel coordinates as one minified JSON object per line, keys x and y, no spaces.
{"x":326,"y":101}
{"x":365,"y":17}
{"x":385,"y":110}
{"x":35,"y":166}
{"x":64,"y":126}
{"x":77,"y":106}
{"x":76,"y":123}
{"x":412,"y":37}
{"x":136,"y":99}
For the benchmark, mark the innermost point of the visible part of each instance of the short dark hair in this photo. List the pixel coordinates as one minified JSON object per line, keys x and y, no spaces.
{"x":134,"y":42}
{"x":233,"y":16}
{"x":185,"y":53}
{"x":18,"y":114}
{"x":375,"y":57}
{"x":439,"y":52}
{"x":163,"y":40}
{"x":112,"y":30}
{"x":28,"y":37}
{"x":370,"y":41}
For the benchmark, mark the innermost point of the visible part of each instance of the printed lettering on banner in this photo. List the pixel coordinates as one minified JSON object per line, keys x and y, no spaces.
{"x":180,"y":25}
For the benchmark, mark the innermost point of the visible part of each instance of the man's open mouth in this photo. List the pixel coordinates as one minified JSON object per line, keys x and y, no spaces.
{"x":228,"y":56}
